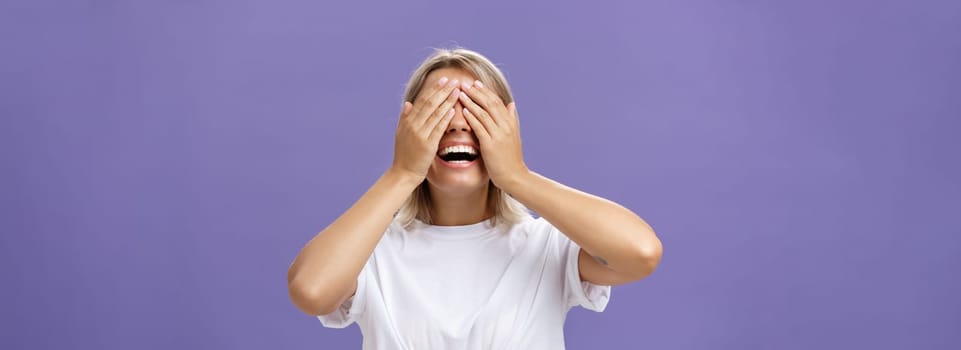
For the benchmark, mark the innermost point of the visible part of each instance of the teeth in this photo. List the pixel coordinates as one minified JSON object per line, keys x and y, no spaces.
{"x":458,"y":148}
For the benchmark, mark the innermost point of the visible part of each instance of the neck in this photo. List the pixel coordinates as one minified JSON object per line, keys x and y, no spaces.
{"x":454,"y":209}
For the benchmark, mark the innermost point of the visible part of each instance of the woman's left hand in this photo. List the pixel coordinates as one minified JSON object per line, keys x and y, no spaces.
{"x":498,"y":131}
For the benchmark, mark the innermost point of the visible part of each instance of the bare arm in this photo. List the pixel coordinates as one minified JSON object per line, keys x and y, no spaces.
{"x":324,"y":273}
{"x":623,"y":247}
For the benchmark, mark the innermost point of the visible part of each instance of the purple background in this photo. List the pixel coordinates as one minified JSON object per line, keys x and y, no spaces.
{"x":164,"y":162}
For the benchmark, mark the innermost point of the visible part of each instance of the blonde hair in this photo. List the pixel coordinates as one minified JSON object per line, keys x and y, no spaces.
{"x":505,"y":209}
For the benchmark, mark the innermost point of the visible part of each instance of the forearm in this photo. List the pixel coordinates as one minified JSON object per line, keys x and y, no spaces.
{"x":612,"y":234}
{"x":327,"y":267}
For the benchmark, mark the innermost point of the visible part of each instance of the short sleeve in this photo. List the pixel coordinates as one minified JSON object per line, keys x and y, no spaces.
{"x":578,"y":292}
{"x":350,"y":308}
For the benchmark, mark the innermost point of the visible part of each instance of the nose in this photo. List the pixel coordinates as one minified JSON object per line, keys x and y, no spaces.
{"x":458,"y":122}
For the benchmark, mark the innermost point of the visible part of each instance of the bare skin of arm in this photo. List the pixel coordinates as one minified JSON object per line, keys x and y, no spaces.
{"x":324,"y":273}
{"x":617,"y":246}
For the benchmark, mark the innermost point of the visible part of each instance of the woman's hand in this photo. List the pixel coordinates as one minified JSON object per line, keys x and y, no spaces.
{"x":421,"y":127}
{"x":498,"y":131}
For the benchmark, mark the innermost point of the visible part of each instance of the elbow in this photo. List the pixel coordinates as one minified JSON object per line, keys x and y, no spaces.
{"x":311,"y":299}
{"x":647,"y":256}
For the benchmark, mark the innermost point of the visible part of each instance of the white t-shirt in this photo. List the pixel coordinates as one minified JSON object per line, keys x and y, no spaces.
{"x":468,"y":287}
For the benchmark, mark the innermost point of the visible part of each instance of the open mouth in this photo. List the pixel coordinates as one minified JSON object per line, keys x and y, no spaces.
{"x":458,"y":155}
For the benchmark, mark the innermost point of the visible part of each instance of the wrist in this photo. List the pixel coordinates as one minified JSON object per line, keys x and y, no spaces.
{"x":517,"y":182}
{"x":402,"y":178}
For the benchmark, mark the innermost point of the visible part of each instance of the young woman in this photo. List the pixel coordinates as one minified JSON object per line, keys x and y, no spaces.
{"x":442,"y":253}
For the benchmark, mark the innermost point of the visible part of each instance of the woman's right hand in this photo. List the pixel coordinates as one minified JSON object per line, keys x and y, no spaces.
{"x":421,"y":126}
{"x":324,"y":274}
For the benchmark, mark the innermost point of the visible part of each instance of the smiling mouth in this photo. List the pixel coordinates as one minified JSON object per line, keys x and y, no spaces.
{"x":459,"y":157}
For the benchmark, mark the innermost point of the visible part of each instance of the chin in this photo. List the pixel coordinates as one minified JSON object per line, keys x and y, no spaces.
{"x":460,"y":178}
{"x":457,"y":186}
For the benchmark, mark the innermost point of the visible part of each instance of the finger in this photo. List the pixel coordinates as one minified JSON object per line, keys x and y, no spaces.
{"x":403,"y":120}
{"x":430,"y":104}
{"x":512,"y":108}
{"x":489,"y":100}
{"x":442,"y":110}
{"x":475,"y":91}
{"x":427,"y":91}
{"x":438,"y":130}
{"x":478,"y":111}
{"x":479,"y":129}
{"x":484,"y":97}
{"x":420,"y":101}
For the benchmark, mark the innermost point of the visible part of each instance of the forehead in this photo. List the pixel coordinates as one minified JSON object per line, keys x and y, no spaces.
{"x":450,"y":73}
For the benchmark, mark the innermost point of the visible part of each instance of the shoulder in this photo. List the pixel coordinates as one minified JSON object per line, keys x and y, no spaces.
{"x":541,"y":226}
{"x":536,"y":225}
{"x":540,"y":230}
{"x":394,"y":234}
{"x":529,"y":226}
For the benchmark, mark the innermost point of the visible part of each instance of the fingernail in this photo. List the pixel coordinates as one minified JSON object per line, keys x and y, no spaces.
{"x":465,"y":85}
{"x":454,"y":92}
{"x":463,"y":95}
{"x":450,"y":113}
{"x":466,"y":111}
{"x":453,"y":83}
{"x":442,"y":81}
{"x":479,"y":84}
